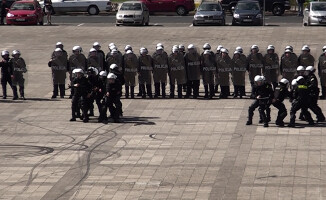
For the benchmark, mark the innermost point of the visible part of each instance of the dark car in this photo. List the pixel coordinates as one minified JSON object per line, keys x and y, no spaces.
{"x":277,"y":7}
{"x":247,"y":13}
{"x":209,"y":13}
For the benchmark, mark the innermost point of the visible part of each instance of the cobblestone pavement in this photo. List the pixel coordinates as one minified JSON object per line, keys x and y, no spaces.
{"x":164,"y":149}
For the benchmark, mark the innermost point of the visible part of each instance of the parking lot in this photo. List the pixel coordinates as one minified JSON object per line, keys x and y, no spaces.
{"x":164,"y":149}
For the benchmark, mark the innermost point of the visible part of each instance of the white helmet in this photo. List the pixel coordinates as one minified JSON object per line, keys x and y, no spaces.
{"x":114,"y":51}
{"x":300,"y":68}
{"x":175,"y":50}
{"x":5,"y":52}
{"x":324,"y":48}
{"x":103,"y":73}
{"x":76,"y":48}
{"x":159,"y":45}
{"x":112,"y":47}
{"x":219,"y":47}
{"x":284,"y":81}
{"x":111,"y":76}
{"x":237,"y":52}
{"x":239,"y":49}
{"x":223,"y":50}
{"x":111,"y":44}
{"x":96,"y":44}
{"x":207,"y":52}
{"x":294,"y":82}
{"x":113,"y":66}
{"x":305,"y":48}
{"x":143,"y":50}
{"x":259,"y":78}
{"x":14,"y":52}
{"x":207,"y":46}
{"x":58,"y":50}
{"x":92,"y":50}
{"x":270,"y":47}
{"x":181,"y":46}
{"x":310,"y":68}
{"x":289,"y":47}
{"x":159,"y":48}
{"x":191,"y":46}
{"x":299,"y":78}
{"x":58,"y":43}
{"x":129,"y":52}
{"x":78,"y":70}
{"x":175,"y":46}
{"x":287,"y":51}
{"x":254,"y":47}
{"x":128,"y":47}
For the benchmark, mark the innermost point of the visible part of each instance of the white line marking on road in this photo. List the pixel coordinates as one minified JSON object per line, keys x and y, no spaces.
{"x":80,"y":24}
{"x":191,"y":25}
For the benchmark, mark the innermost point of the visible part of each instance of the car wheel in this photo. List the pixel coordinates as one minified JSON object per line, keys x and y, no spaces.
{"x":278,"y":10}
{"x":194,"y":24}
{"x":93,"y":10}
{"x":181,"y":11}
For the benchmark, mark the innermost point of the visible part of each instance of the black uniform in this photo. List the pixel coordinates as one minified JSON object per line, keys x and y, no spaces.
{"x":95,"y":85}
{"x":301,"y":101}
{"x":6,"y":73}
{"x":80,"y":96}
{"x":264,"y":94}
{"x":312,"y":84}
{"x":112,"y":99}
{"x":280,"y":93}
{"x":3,"y":12}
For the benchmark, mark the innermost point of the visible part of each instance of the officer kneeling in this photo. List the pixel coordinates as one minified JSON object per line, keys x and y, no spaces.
{"x":113,"y":94}
{"x":82,"y":91}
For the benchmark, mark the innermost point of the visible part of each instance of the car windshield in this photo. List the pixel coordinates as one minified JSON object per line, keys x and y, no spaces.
{"x":318,"y":7}
{"x":131,"y":6}
{"x":247,"y":6}
{"x":23,"y":6}
{"x":209,"y":7}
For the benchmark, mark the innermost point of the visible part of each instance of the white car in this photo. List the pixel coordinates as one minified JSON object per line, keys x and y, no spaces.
{"x":315,"y":14}
{"x":93,"y":7}
{"x":133,"y":13}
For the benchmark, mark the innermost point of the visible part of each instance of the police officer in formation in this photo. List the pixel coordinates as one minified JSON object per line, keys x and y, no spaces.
{"x":238,"y":73}
{"x":193,"y":64}
{"x":322,"y":72}
{"x":160,"y":70}
{"x":19,"y":68}
{"x":59,"y":67}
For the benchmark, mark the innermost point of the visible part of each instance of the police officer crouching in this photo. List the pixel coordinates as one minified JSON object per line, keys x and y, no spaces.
{"x":264,"y":94}
{"x":82,"y":91}
{"x":113,"y":94}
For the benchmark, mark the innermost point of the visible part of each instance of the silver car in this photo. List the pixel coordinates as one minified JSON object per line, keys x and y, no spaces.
{"x":315,"y":14}
{"x":133,"y":13}
{"x":209,"y":13}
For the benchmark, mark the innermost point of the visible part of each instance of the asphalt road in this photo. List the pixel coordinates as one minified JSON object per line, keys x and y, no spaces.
{"x":288,"y":20}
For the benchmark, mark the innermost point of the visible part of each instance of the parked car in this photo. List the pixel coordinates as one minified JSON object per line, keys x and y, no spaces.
{"x":92,"y":7}
{"x":315,"y":14}
{"x":181,"y":7}
{"x":25,"y":12}
{"x":209,"y":13}
{"x":247,"y":13}
{"x":133,"y":13}
{"x":277,"y":7}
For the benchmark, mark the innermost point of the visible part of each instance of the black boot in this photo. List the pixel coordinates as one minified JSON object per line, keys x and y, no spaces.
{"x":242,"y":91}
{"x":206,"y":91}
{"x":216,"y":88}
{"x":132,"y":92}
{"x":142,"y":91}
{"x":4,"y":91}
{"x":157,"y":90}
{"x":211,"y":91}
{"x":21,"y":92}
{"x":172,"y":88}
{"x":236,"y":91}
{"x":180,"y":91}
{"x":14,"y":91}
{"x":149,"y":91}
{"x":163,"y":90}
{"x":126,"y":91}
{"x":323,"y":92}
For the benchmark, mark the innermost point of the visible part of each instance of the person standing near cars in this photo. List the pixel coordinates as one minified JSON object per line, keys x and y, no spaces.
{"x":48,"y":10}
{"x":3,"y":12}
{"x":300,"y":5}
{"x":19,"y":68}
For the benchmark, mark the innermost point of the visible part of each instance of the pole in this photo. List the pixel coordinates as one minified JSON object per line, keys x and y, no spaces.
{"x":264,"y":13}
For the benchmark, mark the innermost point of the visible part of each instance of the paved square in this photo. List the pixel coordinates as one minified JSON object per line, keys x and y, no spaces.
{"x":165,"y":149}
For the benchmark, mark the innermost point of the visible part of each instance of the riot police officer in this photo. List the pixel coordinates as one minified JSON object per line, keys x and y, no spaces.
{"x":280,"y":93}
{"x":224,"y":68}
{"x":82,"y":90}
{"x":193,"y":64}
{"x":306,"y":59}
{"x":271,"y":66}
{"x":301,"y":101}
{"x":76,"y":60}
{"x":100,"y":95}
{"x":254,"y":66}
{"x":145,"y":69}
{"x":114,"y":57}
{"x":6,"y":75}
{"x":130,"y":67}
{"x":100,"y":54}
{"x":93,"y":79}
{"x":115,"y":70}
{"x":177,"y":72}
{"x":238,"y":74}
{"x":208,"y":69}
{"x":289,"y":63}
{"x":113,"y":94}
{"x":19,"y":68}
{"x":60,"y":45}
{"x":160,"y":70}
{"x":218,"y":55}
{"x":263,"y":96}
{"x":58,"y":65}
{"x":94,"y":60}
{"x":322,"y":72}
